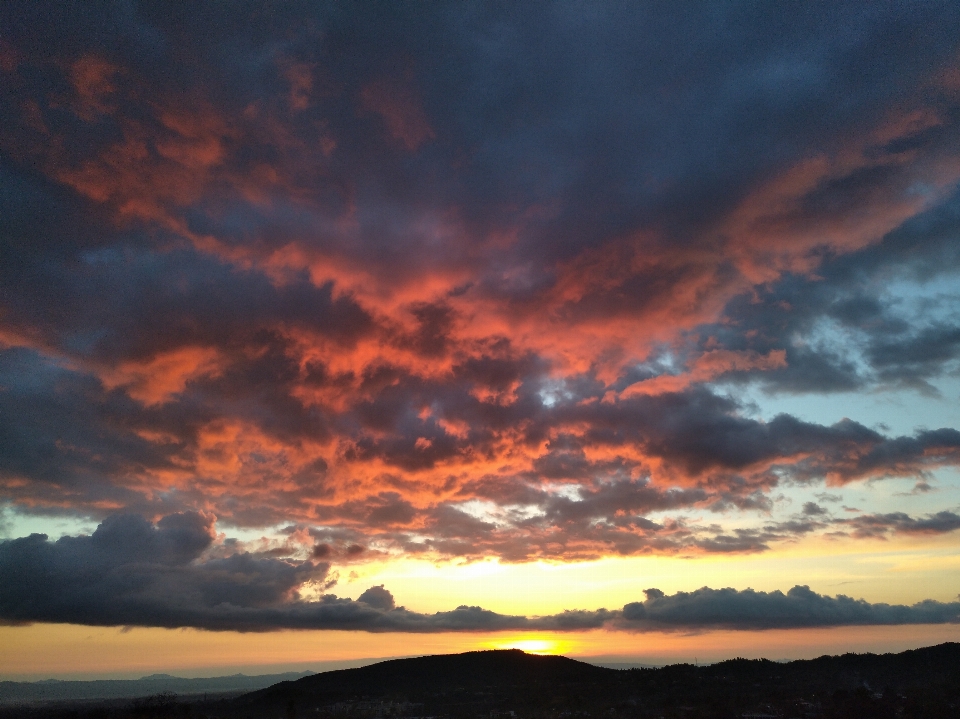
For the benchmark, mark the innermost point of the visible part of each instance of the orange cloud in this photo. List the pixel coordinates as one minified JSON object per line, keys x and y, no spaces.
{"x":162,"y":376}
{"x":707,"y":367}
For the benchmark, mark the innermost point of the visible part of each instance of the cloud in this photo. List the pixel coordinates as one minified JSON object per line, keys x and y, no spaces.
{"x":424,"y":281}
{"x":800,"y":607}
{"x":378,"y":597}
{"x":397,"y":104}
{"x":845,"y":329}
{"x":132,"y":572}
{"x":598,"y":483}
{"x":881,"y":525}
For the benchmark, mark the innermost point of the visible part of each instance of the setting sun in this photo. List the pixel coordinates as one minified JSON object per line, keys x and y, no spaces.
{"x":532,"y":645}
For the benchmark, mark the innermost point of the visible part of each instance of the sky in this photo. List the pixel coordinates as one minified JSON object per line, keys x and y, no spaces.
{"x":338,"y":331}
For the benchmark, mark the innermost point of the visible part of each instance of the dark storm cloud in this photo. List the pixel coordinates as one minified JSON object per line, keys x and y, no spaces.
{"x":526,"y":122}
{"x":134,"y":573}
{"x":121,"y":303}
{"x":617,"y":502}
{"x":131,"y":572}
{"x":740,"y":69}
{"x":63,"y":430}
{"x":703,"y":431}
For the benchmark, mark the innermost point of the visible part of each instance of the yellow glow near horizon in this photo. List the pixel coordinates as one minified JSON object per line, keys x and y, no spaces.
{"x":904,"y":570}
{"x":532,"y":645}
{"x":42,"y":651}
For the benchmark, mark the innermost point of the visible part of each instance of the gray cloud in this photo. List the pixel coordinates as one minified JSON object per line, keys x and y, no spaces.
{"x":131,"y":572}
{"x":880,"y":525}
{"x":800,"y":607}
{"x":378,"y":597}
{"x":873,"y":338}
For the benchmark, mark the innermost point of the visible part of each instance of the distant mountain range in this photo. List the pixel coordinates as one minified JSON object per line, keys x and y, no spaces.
{"x":57,"y":690}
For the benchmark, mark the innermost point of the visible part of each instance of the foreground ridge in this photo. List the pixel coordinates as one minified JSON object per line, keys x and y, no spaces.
{"x":921,"y":683}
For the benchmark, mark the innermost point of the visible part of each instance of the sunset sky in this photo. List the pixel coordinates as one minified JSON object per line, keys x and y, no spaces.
{"x":341,"y":330}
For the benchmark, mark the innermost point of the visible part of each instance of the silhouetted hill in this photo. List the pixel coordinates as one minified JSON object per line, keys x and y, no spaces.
{"x":918,"y":684}
{"x":448,"y":675}
{"x":481,"y":683}
{"x":504,"y":667}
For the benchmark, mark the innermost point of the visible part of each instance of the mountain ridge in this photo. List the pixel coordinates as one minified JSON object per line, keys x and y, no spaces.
{"x":498,"y":681}
{"x":60,"y":690}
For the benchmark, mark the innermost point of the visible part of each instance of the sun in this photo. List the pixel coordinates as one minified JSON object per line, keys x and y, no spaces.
{"x":531,"y":645}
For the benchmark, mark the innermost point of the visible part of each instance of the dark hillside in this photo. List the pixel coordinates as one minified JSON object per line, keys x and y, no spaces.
{"x":505,"y":667}
{"x":447,"y":680}
{"x":923,"y":682}
{"x":919,"y":684}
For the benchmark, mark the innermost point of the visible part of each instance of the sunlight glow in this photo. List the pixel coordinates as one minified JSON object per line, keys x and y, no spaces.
{"x":531,"y":645}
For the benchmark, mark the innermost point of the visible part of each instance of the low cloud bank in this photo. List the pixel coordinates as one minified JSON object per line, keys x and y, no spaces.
{"x":173,"y":574}
{"x":748,"y":609}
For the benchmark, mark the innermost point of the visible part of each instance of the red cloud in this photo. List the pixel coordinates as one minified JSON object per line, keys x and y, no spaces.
{"x":396,"y":101}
